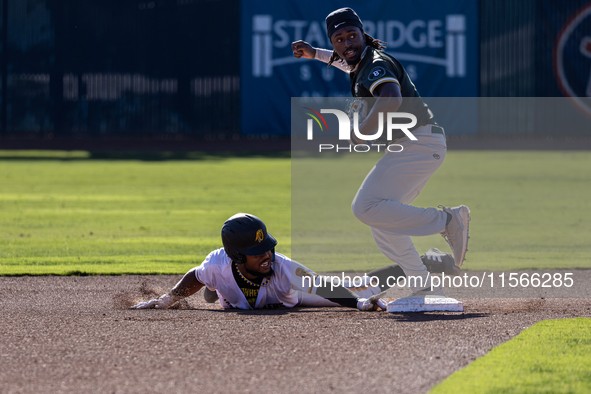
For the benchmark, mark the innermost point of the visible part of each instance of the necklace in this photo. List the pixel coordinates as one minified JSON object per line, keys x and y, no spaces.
{"x":244,"y":278}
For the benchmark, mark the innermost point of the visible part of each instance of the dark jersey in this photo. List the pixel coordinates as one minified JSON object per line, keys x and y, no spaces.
{"x":377,"y":68}
{"x":248,"y":288}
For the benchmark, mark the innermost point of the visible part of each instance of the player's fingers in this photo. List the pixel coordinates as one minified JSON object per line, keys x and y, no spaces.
{"x":366,"y":304}
{"x":146,"y":305}
{"x":163,"y":304}
{"x":141,"y":305}
{"x":383,"y":305}
{"x":296,"y":44}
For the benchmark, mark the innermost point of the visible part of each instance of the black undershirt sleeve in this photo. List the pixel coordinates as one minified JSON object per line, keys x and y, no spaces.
{"x":340,"y":295}
{"x":345,"y":297}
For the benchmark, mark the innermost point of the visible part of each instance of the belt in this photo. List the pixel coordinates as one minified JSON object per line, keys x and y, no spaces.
{"x":422,"y":130}
{"x":437,"y":130}
{"x":428,"y":129}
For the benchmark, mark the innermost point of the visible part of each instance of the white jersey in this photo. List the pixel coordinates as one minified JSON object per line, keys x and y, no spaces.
{"x":216,"y":273}
{"x":291,"y":284}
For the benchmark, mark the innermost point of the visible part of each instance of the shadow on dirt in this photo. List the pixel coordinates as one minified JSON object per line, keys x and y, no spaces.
{"x":425,"y":317}
{"x":281,"y":311}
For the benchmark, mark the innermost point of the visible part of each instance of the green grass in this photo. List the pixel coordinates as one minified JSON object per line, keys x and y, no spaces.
{"x":130,"y":216}
{"x":550,"y":357}
{"x":63,"y":212}
{"x":70,"y":213}
{"x":530,"y":209}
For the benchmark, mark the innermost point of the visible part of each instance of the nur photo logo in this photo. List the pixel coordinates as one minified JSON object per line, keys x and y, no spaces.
{"x":390,"y":124}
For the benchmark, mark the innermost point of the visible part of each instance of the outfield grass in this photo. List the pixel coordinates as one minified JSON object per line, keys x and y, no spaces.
{"x":530,"y":209}
{"x":550,"y":357}
{"x":66,"y":212}
{"x":129,"y":216}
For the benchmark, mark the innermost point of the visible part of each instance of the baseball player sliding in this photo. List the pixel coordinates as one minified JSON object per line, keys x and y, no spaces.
{"x":247,"y":273}
{"x":383,"y":200}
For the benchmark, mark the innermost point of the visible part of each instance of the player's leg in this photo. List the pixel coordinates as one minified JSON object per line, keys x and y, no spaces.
{"x":435,"y":261}
{"x":401,"y":249}
{"x":383,"y":199}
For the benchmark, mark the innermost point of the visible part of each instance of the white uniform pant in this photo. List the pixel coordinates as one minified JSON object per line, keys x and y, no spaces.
{"x":383,"y":201}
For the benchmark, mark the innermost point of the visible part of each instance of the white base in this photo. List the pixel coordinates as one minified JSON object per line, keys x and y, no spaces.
{"x":425,"y":304}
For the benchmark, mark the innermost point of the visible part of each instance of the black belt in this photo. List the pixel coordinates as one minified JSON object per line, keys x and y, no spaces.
{"x":396,"y":135}
{"x":436,"y":130}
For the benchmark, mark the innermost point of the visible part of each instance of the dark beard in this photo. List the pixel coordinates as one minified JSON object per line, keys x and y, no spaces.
{"x":356,"y":62}
{"x":353,"y":63}
{"x":258,"y":275}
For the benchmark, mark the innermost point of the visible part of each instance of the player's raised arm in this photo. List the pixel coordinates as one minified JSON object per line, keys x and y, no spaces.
{"x":303,"y":49}
{"x":389,"y":100}
{"x":186,"y":287}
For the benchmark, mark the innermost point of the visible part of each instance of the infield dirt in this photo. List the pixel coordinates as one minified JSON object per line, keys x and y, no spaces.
{"x":75,"y":334}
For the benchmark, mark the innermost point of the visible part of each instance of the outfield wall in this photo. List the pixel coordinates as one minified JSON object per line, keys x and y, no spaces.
{"x":178,"y":69}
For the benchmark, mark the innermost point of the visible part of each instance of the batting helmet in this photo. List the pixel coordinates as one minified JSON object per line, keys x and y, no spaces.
{"x":244,"y":234}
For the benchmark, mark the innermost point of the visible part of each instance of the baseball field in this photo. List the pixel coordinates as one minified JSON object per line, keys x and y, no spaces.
{"x":82,"y":237}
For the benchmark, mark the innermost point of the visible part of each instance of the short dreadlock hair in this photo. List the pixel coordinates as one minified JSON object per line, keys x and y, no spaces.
{"x":369,"y":41}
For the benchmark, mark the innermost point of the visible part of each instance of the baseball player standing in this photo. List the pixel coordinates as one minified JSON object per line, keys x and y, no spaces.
{"x":383,"y":200}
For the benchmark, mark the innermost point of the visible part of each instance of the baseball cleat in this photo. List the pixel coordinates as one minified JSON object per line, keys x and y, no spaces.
{"x":428,"y":292}
{"x":438,"y":262}
{"x":456,"y":232}
{"x":210,"y":296}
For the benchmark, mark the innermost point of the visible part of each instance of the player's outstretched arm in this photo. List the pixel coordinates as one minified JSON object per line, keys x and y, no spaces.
{"x":345,"y":297}
{"x":186,"y":287}
{"x":303,"y":49}
{"x":307,"y":281}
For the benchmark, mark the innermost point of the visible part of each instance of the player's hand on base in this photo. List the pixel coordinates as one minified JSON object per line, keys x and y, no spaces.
{"x":303,"y":49}
{"x":164,"y":302}
{"x":371,"y":304}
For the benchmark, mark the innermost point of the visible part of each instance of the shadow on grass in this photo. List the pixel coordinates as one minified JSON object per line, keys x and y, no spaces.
{"x":160,"y":156}
{"x":140,"y":155}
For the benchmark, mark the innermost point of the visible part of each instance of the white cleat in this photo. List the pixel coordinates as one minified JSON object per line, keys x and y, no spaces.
{"x":438,"y":262}
{"x":456,"y":232}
